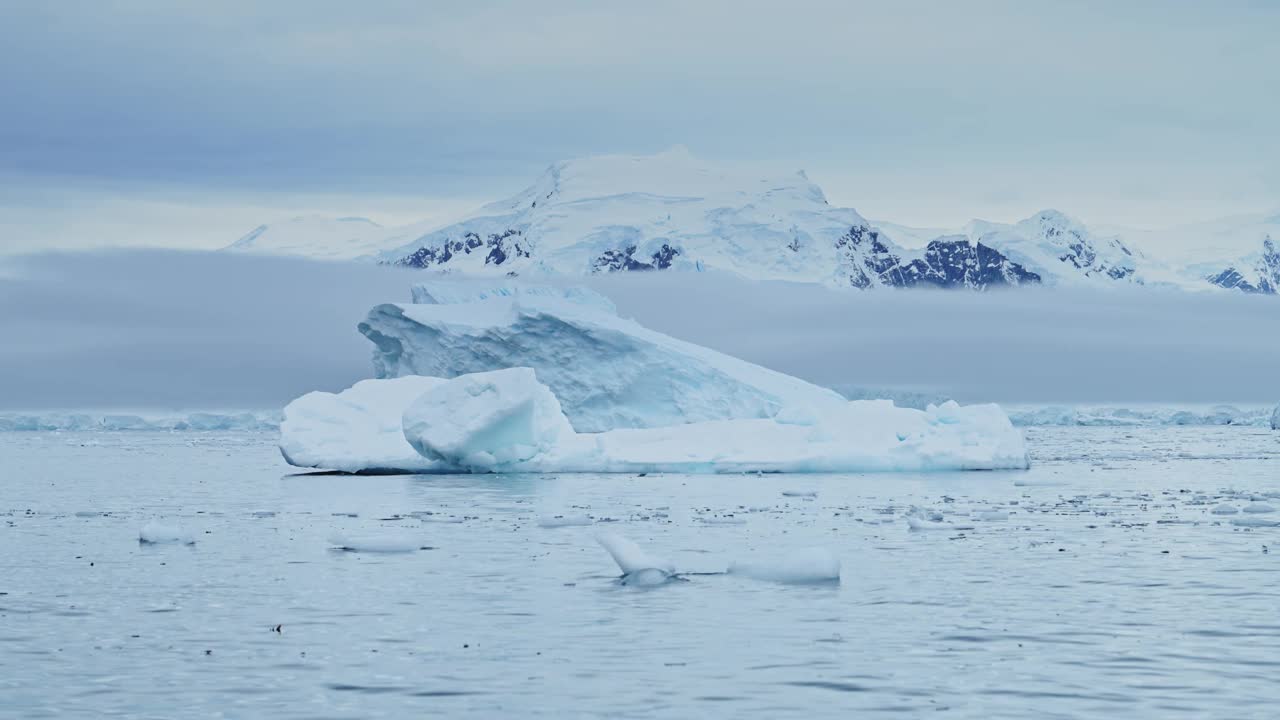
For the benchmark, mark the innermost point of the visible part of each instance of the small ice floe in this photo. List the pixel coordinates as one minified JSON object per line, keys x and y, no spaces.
{"x":155,"y":533}
{"x":1225,"y":509}
{"x":638,"y":567}
{"x":557,"y":521}
{"x":1258,"y":508}
{"x":800,"y":493}
{"x":920,"y":520}
{"x":802,"y":567}
{"x":1255,"y":522}
{"x":991,"y":516}
{"x":381,"y":543}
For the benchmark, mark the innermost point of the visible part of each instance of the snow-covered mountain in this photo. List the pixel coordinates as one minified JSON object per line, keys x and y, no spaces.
{"x":313,"y":236}
{"x":1058,"y":248}
{"x":672,"y":211}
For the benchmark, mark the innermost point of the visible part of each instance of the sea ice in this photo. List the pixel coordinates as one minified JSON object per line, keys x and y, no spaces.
{"x":507,"y":421}
{"x":1258,"y":508}
{"x":157,"y":533}
{"x":810,"y":565}
{"x":355,"y":430}
{"x":1225,"y":509}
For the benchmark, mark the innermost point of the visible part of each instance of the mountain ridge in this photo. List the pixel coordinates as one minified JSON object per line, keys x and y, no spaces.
{"x":672,"y":211}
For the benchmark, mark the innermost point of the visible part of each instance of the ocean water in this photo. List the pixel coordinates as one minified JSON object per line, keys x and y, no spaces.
{"x":1100,"y":583}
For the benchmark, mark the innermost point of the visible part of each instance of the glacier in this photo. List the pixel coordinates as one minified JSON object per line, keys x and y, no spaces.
{"x":356,"y":430}
{"x":607,"y":372}
{"x":508,"y":421}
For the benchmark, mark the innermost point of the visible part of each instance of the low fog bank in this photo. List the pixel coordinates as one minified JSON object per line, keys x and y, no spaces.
{"x":150,"y":328}
{"x":1025,"y":345}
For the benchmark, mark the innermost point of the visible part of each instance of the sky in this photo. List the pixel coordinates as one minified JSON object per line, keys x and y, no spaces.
{"x":184,"y":124}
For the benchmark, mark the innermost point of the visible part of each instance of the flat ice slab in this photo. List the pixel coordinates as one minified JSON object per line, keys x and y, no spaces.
{"x":508,"y":421}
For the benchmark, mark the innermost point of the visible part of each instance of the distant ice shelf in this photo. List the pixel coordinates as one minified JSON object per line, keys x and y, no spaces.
{"x":151,"y":420}
{"x":1137,"y":415}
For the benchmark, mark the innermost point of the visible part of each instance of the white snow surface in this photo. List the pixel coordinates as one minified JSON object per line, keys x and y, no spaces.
{"x":507,"y":421}
{"x":607,"y":372}
{"x":356,"y":430}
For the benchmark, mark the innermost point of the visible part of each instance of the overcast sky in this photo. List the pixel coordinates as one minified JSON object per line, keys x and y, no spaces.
{"x":188,"y":123}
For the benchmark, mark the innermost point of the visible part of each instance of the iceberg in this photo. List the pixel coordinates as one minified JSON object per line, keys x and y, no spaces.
{"x":487,"y":379}
{"x":508,"y":421}
{"x":607,"y":372}
{"x":1275,"y":418}
{"x":356,"y":430}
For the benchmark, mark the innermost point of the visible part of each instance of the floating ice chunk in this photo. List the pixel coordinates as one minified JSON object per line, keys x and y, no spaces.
{"x":1225,"y":509}
{"x":486,"y":420}
{"x":810,"y":565}
{"x":1255,"y":522}
{"x":1258,"y":508}
{"x":156,"y":533}
{"x":991,"y":515}
{"x":355,"y":430}
{"x":377,"y":543}
{"x":556,"y":521}
{"x":633,"y":560}
{"x":800,"y":493}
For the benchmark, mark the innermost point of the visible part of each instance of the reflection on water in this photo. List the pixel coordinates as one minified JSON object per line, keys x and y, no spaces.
{"x":1098,"y":584}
